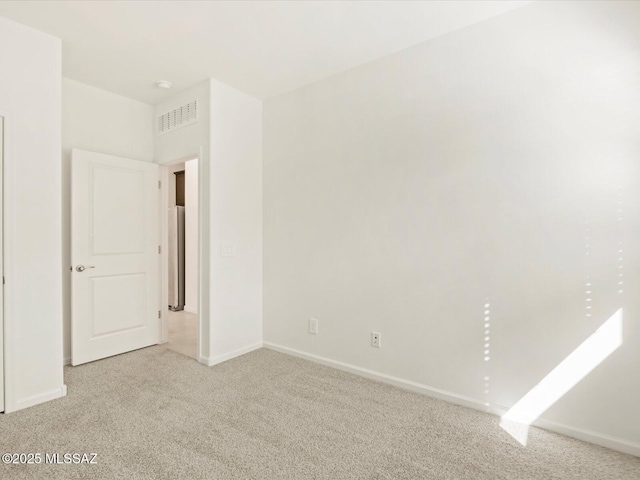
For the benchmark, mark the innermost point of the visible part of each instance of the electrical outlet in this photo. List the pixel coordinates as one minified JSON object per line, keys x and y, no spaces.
{"x":376,"y":339}
{"x":313,"y":326}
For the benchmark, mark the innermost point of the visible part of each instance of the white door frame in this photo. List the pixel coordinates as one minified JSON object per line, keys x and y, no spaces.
{"x":164,"y":257}
{"x":2,"y":350}
{"x":7,"y":347}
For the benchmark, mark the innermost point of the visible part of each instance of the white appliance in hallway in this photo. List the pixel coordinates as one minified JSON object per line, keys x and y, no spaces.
{"x":176,"y":258}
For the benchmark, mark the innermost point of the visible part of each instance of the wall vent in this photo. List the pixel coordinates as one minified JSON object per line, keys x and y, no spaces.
{"x":178,"y":117}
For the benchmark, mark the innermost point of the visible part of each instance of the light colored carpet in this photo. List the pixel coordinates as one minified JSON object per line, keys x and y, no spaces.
{"x":155,"y":414}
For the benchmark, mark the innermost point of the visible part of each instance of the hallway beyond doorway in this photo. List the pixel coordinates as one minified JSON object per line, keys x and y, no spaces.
{"x":183,"y":333}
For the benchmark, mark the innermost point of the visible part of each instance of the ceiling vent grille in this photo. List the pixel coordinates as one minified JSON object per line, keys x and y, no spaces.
{"x":178,"y":117}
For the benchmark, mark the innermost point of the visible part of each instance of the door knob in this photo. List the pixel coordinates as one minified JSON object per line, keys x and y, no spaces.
{"x":82,"y":268}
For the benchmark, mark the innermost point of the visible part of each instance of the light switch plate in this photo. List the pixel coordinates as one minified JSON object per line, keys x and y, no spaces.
{"x":313,"y":326}
{"x":227,"y":250}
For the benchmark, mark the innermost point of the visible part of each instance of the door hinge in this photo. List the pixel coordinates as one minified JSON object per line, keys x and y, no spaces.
{"x":159,"y":184}
{"x":159,"y":314}
{"x":159,"y":249}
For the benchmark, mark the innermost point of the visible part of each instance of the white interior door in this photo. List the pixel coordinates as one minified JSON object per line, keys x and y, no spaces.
{"x":115,"y":284}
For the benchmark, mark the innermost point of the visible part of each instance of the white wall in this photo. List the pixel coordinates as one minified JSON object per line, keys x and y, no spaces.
{"x":236,"y":220}
{"x":188,"y":142}
{"x":227,"y":140}
{"x":404,"y":195}
{"x":30,"y":62}
{"x":191,"y":235}
{"x":103,"y":122}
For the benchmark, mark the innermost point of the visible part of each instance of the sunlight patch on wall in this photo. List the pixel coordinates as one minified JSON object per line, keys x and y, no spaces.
{"x":591,"y":353}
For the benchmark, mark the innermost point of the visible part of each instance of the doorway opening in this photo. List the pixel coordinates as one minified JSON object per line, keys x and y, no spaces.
{"x":180,"y":237}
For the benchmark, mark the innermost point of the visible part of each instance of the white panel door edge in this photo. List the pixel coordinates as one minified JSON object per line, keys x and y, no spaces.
{"x":115,"y":277}
{"x":2,"y":265}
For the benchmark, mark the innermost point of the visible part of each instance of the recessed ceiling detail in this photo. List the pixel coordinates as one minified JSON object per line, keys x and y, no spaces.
{"x":163,"y":84}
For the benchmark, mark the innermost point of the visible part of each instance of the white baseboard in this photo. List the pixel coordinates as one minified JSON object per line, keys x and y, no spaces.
{"x":584,"y":435}
{"x":190,"y":310}
{"x":588,"y":436}
{"x":41,"y":398}
{"x":211,"y":361}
